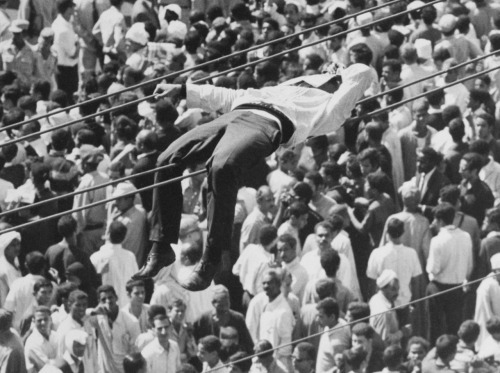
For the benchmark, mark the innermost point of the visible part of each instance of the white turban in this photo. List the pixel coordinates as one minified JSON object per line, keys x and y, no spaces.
{"x":7,"y":238}
{"x":385,"y":278}
{"x":495,"y":261}
{"x":73,"y":336}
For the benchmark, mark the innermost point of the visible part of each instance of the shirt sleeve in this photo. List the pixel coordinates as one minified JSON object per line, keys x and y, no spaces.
{"x":433,"y":262}
{"x":210,"y":98}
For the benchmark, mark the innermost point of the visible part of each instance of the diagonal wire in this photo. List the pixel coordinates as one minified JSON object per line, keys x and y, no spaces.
{"x":205,"y":64}
{"x":368,"y":115}
{"x":102,"y":202}
{"x":85,"y":190}
{"x":349,"y":324}
{"x":63,"y":125}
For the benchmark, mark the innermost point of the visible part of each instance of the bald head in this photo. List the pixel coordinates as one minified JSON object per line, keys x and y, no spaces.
{"x":146,"y":141}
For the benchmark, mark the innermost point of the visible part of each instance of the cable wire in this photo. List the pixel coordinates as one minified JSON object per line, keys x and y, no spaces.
{"x":366,"y":116}
{"x":204,"y":64}
{"x":366,"y":318}
{"x":106,"y":111}
{"x":102,"y":202}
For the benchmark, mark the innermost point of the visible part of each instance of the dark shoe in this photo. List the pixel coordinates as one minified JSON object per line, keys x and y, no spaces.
{"x":155,"y":262}
{"x":202,"y":276}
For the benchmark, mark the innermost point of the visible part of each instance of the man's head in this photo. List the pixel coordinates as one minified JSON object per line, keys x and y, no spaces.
{"x":330,"y":262}
{"x":42,"y":320}
{"x":146,"y":141}
{"x":136,"y":291}
{"x":493,"y":327}
{"x":420,"y":112}
{"x":391,"y":71}
{"x":319,"y":149}
{"x":395,"y":230}
{"x":417,"y":348}
{"x":427,"y":160}
{"x":177,"y":311}
{"x":78,"y":303}
{"x":362,"y":336}
{"x":298,"y":214}
{"x":162,"y":328}
{"x":491,"y":222}
{"x":265,"y":199}
{"x":287,"y":248}
{"x":411,"y":197}
{"x":446,"y":347}
{"x":393,"y":357}
{"x":304,"y":357}
{"x":388,"y":284}
{"x":42,"y":290}
{"x":288,"y":161}
{"x":265,"y":350}
{"x":357,"y":311}
{"x":444,"y":214}
{"x":208,"y":350}
{"x":221,"y":300}
{"x":375,"y":185}
{"x":66,"y":227}
{"x":369,"y":161}
{"x":108,"y":298}
{"x":484,"y":124}
{"x":328,"y":312}
{"x":117,"y":232}
{"x":271,"y":284}
{"x":470,"y":165}
{"x":324,"y":235}
{"x":469,"y":332}
{"x":125,"y":196}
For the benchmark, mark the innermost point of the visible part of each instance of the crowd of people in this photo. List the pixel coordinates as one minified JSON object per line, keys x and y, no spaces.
{"x":331,"y":239}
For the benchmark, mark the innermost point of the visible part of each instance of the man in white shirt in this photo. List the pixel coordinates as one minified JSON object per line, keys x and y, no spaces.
{"x":281,"y":179}
{"x":41,"y":345}
{"x":71,"y":361}
{"x":254,"y":260}
{"x":449,"y":264}
{"x":115,"y":264}
{"x":490,"y":173}
{"x":208,"y":352}
{"x":287,"y":254}
{"x":336,"y":340}
{"x":110,"y":32}
{"x":136,"y":292}
{"x":10,"y":247}
{"x":66,"y":45}
{"x":116,"y":331}
{"x":270,"y":317}
{"x":401,"y":259}
{"x":20,"y":297}
{"x":162,"y":354}
{"x":258,"y":217}
{"x":256,"y":123}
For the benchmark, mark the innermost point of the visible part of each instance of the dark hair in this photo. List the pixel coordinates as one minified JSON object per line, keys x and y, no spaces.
{"x":435,"y":97}
{"x":396,"y":38}
{"x":393,"y":356}
{"x":329,"y":306}
{"x":245,"y":364}
{"x":371,"y":155}
{"x":268,"y":71}
{"x":330,"y":262}
{"x":457,"y":129}
{"x":446,"y":345}
{"x":267,"y":234}
{"x":394,"y":64}
{"x":315,"y":177}
{"x":66,"y":225}
{"x":77,"y":295}
{"x":485,"y":116}
{"x":43,"y":283}
{"x":480,"y":147}
{"x":308,"y":349}
{"x":126,"y":128}
{"x":131,"y":284}
{"x":432,"y":155}
{"x":358,"y":310}
{"x":106,"y":289}
{"x":325,"y":287}
{"x":117,"y":232}
{"x":377,"y":181}
{"x":60,"y":97}
{"x":450,"y":194}
{"x":418,"y":341}
{"x":35,"y":262}
{"x":362,"y":329}
{"x":12,"y":93}
{"x":469,"y":331}
{"x":429,"y":15}
{"x":133,"y":363}
{"x":155,"y":310}
{"x":451,"y":112}
{"x":355,"y":357}
{"x":474,"y":161}
{"x":363,"y":54}
{"x":27,"y":103}
{"x":42,"y":88}
{"x":493,"y":325}
{"x":445,"y":212}
{"x":395,"y":228}
{"x":297,"y":209}
{"x":303,"y":190}
{"x":493,"y":215}
{"x":210,"y":343}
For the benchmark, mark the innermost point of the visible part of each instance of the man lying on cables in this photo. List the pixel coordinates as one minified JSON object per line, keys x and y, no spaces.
{"x":255,"y":123}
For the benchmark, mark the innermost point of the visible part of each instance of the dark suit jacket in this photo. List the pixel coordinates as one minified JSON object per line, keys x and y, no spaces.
{"x":145,"y":164}
{"x":430,"y":195}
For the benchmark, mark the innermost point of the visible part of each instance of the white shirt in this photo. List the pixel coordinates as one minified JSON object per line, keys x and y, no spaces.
{"x":487,"y":305}
{"x":110,"y":28}
{"x":450,"y":256}
{"x":143,"y":317}
{"x":116,"y":266}
{"x":4,"y":187}
{"x":65,"y":41}
{"x":386,"y":324}
{"x":8,"y":274}
{"x":21,"y":297}
{"x":312,"y":111}
{"x":490,"y":174}
{"x":250,"y":267}
{"x":38,"y":350}
{"x":400,"y":118}
{"x":402,"y":260}
{"x":333,"y":342}
{"x":279,"y":181}
{"x":299,"y":277}
{"x":273,"y":321}
{"x":219,"y":368}
{"x":160,"y":360}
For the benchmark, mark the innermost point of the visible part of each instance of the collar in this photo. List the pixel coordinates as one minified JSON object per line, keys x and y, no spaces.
{"x":450,"y":227}
{"x":144,"y":155}
{"x":160,"y":347}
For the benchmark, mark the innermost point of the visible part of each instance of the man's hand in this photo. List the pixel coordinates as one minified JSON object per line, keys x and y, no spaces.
{"x":166,"y":90}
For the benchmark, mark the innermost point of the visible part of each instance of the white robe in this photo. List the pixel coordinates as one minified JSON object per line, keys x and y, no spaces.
{"x":487,"y":305}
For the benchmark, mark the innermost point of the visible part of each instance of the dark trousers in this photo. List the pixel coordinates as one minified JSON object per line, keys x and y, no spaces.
{"x":229,"y":145}
{"x":67,"y":80}
{"x":445,"y":311}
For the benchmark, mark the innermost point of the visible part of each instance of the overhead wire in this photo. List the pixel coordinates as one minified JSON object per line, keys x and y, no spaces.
{"x":206,"y":64}
{"x":283,"y":53}
{"x":349,"y":324}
